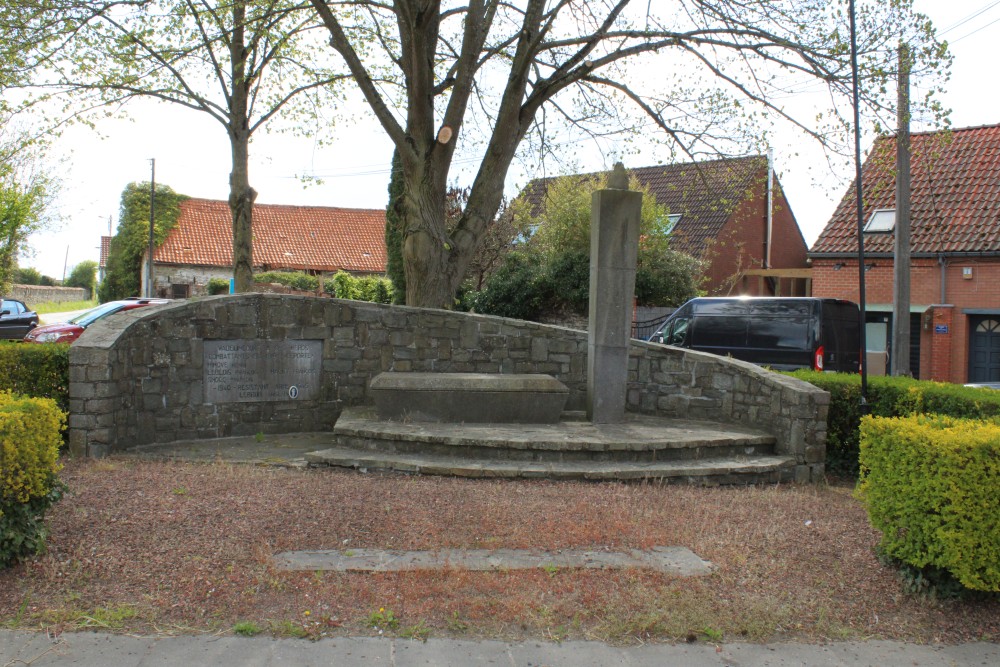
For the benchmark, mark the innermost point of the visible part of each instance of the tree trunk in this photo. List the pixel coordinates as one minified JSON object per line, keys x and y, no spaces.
{"x":241,"y":198}
{"x":427,"y":250}
{"x":241,"y":195}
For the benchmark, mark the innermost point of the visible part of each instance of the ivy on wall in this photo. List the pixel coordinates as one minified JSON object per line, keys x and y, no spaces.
{"x":124,"y":269}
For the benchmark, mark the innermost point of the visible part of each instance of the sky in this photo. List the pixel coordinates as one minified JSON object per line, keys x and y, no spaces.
{"x":191,"y":154}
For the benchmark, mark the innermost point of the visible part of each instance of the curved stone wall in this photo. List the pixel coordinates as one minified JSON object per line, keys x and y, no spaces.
{"x":138,"y":377}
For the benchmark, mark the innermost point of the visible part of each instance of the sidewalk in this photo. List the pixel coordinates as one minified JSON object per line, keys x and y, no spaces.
{"x":99,"y":650}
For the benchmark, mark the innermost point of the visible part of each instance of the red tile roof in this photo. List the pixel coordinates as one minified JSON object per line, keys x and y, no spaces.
{"x":284,"y":237}
{"x":705,"y":194}
{"x":955,"y":195}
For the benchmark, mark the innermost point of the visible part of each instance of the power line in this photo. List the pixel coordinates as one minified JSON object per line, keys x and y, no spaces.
{"x":968,"y":18}
{"x":975,"y":31}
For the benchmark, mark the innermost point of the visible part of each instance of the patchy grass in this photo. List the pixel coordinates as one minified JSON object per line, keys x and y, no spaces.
{"x":63,"y":306}
{"x":155,"y":547}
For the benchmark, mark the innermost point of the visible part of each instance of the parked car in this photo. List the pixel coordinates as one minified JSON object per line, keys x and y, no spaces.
{"x":68,"y":332}
{"x":780,"y":333}
{"x":16,"y":319}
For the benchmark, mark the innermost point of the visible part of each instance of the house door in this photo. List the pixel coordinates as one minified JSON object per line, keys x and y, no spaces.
{"x":984,"y":349}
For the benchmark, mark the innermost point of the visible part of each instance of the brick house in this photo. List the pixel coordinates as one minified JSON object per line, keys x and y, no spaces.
{"x":315,"y":239}
{"x":720,"y":213}
{"x":955,"y":246}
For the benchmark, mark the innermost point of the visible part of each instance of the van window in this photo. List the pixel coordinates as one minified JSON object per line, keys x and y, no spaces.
{"x":781,"y":308}
{"x":723,"y":308}
{"x":786,"y":333}
{"x":724,"y":332}
{"x":678,"y":332}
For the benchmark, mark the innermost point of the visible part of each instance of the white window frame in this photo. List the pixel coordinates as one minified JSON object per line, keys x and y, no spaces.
{"x":879,"y":216}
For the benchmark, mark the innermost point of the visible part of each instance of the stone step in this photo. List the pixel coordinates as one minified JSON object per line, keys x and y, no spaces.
{"x":641,"y":439}
{"x":708,"y":471}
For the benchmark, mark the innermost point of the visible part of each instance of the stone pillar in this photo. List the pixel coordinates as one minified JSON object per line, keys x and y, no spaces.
{"x":614,"y":248}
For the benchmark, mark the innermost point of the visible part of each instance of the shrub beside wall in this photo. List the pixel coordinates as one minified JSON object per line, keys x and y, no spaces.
{"x":41,"y":371}
{"x":30,"y":437}
{"x":889,"y":397}
{"x":931,"y":485}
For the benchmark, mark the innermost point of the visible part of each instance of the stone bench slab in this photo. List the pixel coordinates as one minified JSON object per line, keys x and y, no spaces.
{"x":474,"y":398}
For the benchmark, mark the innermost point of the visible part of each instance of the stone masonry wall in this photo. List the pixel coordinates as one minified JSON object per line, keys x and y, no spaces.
{"x":136,"y":377}
{"x":33,"y":295}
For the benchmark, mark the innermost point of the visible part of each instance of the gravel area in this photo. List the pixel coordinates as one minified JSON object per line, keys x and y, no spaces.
{"x":170,"y":548}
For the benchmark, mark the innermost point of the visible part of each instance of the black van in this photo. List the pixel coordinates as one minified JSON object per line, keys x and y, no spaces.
{"x":780,"y":333}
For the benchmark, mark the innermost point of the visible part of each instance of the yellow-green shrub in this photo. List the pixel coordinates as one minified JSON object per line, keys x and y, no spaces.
{"x":30,"y":436}
{"x":931,"y":485}
{"x":36,"y":370}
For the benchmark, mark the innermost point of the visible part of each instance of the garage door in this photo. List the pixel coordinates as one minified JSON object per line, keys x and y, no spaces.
{"x":984,"y":349}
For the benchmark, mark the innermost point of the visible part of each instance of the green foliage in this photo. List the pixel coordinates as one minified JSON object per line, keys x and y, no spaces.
{"x":293,"y":279}
{"x":383,"y":619}
{"x":517,"y":289}
{"x":24,"y":198}
{"x":551,"y":272}
{"x":83,"y":275}
{"x":217,"y":286}
{"x":41,"y":371}
{"x":394,"y":232}
{"x":28,"y":276}
{"x":123,"y":278}
{"x":365,"y":288}
{"x":930,"y":485}
{"x":246,"y":629}
{"x":30,"y":436}
{"x":889,"y":397}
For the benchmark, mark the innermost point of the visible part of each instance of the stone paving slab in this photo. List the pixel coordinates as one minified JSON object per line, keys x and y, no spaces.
{"x":638,"y":432}
{"x":282,"y":449}
{"x":709,"y":470}
{"x":680,"y":561}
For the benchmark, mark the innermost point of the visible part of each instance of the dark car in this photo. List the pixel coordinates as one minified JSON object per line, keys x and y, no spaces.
{"x":783,"y":333}
{"x":67,"y":332}
{"x":16,"y":319}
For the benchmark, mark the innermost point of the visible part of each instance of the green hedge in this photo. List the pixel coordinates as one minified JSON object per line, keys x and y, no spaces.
{"x":889,"y":397}
{"x":41,"y":371}
{"x":343,"y":285}
{"x":931,"y":485}
{"x":30,"y":437}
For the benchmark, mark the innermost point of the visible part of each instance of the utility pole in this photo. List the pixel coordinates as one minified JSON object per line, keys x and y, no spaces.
{"x":152,"y":202}
{"x":859,"y":207}
{"x":900,"y":363}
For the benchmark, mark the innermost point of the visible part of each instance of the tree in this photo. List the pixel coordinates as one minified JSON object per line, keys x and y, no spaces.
{"x":83,"y":275}
{"x":26,"y":195}
{"x":123,"y":277}
{"x":436,"y":72}
{"x":664,"y":277}
{"x":240,"y":62}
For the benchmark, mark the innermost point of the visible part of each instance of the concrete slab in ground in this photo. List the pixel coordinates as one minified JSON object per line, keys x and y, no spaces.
{"x":273,"y":449}
{"x":674,"y":560}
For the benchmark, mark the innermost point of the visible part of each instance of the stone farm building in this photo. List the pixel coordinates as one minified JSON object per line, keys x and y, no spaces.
{"x":314,"y":239}
{"x":955,"y":254}
{"x":719,"y":211}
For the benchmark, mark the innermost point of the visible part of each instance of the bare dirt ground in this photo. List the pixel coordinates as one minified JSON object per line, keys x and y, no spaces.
{"x":150,"y":547}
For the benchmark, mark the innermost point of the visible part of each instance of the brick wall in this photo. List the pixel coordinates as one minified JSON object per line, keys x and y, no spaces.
{"x":137,"y":378}
{"x":742,"y":242}
{"x":943,"y":356}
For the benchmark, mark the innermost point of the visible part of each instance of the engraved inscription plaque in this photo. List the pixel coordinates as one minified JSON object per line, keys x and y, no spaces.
{"x":243,"y":371}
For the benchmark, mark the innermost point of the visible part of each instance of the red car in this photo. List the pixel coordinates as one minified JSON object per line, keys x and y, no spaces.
{"x":68,"y":332}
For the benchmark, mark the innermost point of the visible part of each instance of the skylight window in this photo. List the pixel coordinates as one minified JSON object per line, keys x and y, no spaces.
{"x":671,"y":222}
{"x":882,"y":220}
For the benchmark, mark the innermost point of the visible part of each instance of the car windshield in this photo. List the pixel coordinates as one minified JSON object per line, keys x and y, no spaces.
{"x":86,"y":319}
